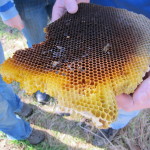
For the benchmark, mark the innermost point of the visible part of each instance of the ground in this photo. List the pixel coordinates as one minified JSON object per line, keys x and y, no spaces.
{"x":65,"y":133}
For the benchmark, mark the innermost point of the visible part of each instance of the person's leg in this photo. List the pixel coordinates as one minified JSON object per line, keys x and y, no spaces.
{"x":123,"y":119}
{"x":10,"y":124}
{"x":1,"y":54}
{"x":49,"y":7}
{"x":42,"y":97}
{"x":7,"y":91}
{"x":13,"y":126}
{"x":34,"y":16}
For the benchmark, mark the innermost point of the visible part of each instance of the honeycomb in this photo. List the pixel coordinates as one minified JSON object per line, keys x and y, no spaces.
{"x":86,"y":60}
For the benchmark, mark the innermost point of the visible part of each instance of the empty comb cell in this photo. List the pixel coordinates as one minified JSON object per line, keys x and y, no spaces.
{"x":87,"y":59}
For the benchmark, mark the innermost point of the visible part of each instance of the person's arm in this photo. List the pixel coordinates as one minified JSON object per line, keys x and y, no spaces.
{"x":62,"y":6}
{"x":139,"y":100}
{"x":10,"y":15}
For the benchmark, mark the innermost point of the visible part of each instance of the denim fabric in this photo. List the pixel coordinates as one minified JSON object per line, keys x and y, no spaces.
{"x":7,"y":10}
{"x":1,"y":54}
{"x":123,"y":119}
{"x":12,"y":125}
{"x":137,"y":6}
{"x":35,"y":15}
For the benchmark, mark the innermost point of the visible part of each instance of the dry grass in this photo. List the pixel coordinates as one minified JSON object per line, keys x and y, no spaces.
{"x":64,"y":133}
{"x":11,"y":40}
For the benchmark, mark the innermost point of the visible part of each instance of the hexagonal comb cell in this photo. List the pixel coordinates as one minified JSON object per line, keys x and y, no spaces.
{"x":87,"y":59}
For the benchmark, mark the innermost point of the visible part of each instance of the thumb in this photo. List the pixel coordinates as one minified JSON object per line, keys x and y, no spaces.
{"x":57,"y":12}
{"x":71,"y":6}
{"x":20,"y":26}
{"x":124,"y":102}
{"x":61,"y":7}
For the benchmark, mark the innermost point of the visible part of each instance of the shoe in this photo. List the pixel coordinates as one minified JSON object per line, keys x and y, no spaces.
{"x":42,"y":98}
{"x":26,"y":111}
{"x":103,"y":140}
{"x":36,"y":137}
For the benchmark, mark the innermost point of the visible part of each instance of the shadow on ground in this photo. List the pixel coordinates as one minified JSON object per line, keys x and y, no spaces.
{"x":53,"y":125}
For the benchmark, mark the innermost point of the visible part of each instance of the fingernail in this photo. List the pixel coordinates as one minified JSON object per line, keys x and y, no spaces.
{"x":72,"y":8}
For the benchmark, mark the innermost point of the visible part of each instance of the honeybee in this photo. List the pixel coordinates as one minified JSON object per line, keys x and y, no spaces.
{"x":69,"y":66}
{"x":107,"y":48}
{"x":55,"y":63}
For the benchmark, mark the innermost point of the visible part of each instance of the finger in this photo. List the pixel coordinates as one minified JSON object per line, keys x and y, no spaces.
{"x":125,"y":102}
{"x":142,"y":94}
{"x":20,"y":27}
{"x":57,"y":12}
{"x":20,"y":24}
{"x":71,"y":6}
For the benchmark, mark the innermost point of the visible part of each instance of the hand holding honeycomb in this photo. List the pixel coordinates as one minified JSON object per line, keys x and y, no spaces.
{"x":61,"y":6}
{"x":139,"y":100}
{"x":88,"y":58}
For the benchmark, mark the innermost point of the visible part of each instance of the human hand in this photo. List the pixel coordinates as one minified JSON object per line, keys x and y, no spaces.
{"x":139,"y":100}
{"x":15,"y":22}
{"x":62,"y":6}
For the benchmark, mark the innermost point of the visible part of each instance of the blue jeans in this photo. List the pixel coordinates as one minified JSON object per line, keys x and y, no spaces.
{"x":35,"y":15}
{"x":137,"y":6}
{"x":10,"y":124}
{"x":123,"y":119}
